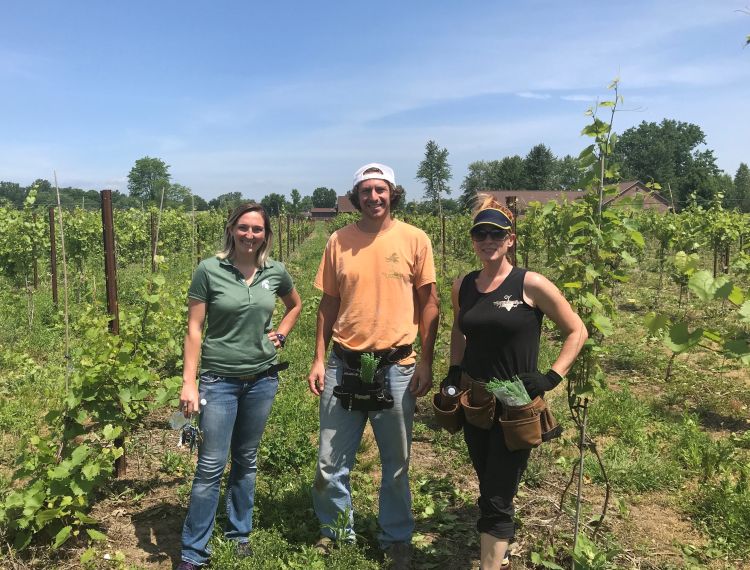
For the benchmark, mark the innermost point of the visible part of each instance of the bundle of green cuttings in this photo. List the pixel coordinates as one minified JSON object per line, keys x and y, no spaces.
{"x":509,"y":392}
{"x":368,"y":363}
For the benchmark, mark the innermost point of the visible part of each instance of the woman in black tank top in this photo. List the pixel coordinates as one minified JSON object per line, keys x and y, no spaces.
{"x":498,"y":314}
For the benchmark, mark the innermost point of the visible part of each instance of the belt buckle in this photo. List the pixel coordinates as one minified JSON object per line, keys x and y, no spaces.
{"x":248,"y":378}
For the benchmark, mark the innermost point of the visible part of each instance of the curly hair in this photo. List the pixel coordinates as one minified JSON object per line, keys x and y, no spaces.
{"x":397,"y":193}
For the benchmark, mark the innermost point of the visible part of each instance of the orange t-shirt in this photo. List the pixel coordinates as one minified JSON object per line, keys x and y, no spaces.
{"x":376,"y":277}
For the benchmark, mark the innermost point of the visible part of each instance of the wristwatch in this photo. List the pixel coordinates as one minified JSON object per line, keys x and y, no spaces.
{"x":281,"y":338}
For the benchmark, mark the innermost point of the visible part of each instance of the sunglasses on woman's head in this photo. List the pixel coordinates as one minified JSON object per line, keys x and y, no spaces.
{"x":495,"y":235}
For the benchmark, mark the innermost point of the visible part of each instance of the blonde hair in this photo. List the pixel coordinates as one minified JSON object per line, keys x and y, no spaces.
{"x":486,"y":201}
{"x":228,"y":240}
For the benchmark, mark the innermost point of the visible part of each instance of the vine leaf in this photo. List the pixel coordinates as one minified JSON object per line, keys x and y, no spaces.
{"x":681,"y":339}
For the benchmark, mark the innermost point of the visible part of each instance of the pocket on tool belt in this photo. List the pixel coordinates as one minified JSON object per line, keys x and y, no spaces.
{"x":526,"y":427}
{"x":478,"y":404}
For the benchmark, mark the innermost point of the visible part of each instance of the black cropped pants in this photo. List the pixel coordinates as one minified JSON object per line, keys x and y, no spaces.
{"x":499,"y":471}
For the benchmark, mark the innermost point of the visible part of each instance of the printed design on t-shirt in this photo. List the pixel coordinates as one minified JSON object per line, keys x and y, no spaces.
{"x":507,"y":303}
{"x":393,"y":273}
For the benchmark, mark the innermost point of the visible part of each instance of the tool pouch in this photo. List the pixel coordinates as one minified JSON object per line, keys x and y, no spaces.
{"x":354,"y":394}
{"x":526,"y":427}
{"x":478,"y":404}
{"x":448,"y":411}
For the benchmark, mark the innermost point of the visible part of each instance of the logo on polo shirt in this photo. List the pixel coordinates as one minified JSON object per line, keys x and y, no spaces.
{"x":265,"y":285}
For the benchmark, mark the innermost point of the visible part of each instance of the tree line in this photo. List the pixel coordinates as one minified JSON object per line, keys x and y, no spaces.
{"x":671,"y":153}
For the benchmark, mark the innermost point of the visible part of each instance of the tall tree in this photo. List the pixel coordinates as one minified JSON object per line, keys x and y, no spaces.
{"x":567,"y":174}
{"x":147,"y":179}
{"x":323,"y":197}
{"x":539,"y":168}
{"x":478,"y":178}
{"x":509,"y":173}
{"x":274,"y":203}
{"x":669,"y":154}
{"x":741,"y":193}
{"x":435,"y":172}
{"x":294,"y":205}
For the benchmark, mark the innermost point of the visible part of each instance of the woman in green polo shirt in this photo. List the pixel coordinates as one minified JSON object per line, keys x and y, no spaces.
{"x":236,"y":291}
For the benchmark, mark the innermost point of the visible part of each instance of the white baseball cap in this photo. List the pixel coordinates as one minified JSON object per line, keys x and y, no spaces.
{"x":387,"y":173}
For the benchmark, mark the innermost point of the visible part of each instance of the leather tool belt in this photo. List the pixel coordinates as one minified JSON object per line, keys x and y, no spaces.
{"x":524,"y":427}
{"x":353,"y":393}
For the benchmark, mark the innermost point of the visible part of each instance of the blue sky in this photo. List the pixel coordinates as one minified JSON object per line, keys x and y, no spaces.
{"x":263,"y":97}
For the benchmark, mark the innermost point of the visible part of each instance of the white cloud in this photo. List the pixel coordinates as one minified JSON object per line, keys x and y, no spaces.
{"x":532,"y":95}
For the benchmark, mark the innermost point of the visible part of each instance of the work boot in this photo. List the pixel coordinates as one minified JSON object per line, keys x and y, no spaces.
{"x":324,"y":546}
{"x":398,"y":556}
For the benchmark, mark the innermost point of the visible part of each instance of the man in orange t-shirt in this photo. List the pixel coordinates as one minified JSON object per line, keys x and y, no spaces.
{"x":378,"y":282}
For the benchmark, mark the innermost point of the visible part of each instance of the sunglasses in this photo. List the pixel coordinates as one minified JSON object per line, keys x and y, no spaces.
{"x":494,"y":235}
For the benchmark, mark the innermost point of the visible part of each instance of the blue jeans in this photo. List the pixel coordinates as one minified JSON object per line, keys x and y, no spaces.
{"x":234,"y":415}
{"x":340,"y":434}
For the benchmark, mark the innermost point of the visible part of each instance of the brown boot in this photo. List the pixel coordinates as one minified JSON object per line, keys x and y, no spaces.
{"x":398,"y":556}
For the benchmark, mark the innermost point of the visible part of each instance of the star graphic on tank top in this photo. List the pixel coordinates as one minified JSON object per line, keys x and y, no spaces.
{"x":507,"y":303}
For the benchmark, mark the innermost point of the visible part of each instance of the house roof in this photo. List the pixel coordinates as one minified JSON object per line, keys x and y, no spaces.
{"x":525,"y":197}
{"x":322,"y":210}
{"x":344,"y":205}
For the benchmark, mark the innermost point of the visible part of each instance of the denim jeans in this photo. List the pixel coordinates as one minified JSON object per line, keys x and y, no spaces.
{"x":233,"y":417}
{"x":340,"y":434}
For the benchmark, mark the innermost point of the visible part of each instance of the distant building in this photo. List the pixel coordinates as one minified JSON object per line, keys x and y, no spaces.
{"x":344,"y":205}
{"x":317,"y":214}
{"x":651,"y":199}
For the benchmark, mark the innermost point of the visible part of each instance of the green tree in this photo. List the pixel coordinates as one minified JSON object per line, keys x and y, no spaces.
{"x":306,"y":204}
{"x":147,"y":179}
{"x":478,"y":178}
{"x":740,"y":196}
{"x":509,"y":173}
{"x":323,"y":197}
{"x":295,"y":204}
{"x":435,"y":172}
{"x":567,"y":175}
{"x":227,"y":200}
{"x":669,"y":154}
{"x":274,"y":204}
{"x":178,"y":196}
{"x":539,"y":168}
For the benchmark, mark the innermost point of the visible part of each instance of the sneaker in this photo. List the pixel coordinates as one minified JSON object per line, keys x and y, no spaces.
{"x":324,"y":545}
{"x":399,"y":556}
{"x":185,"y":565}
{"x":243,"y":550}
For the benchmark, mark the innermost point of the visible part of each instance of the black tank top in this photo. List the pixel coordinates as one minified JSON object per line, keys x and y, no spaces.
{"x":502,"y":332}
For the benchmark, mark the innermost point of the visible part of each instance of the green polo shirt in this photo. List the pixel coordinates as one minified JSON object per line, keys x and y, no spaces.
{"x":239,"y":315}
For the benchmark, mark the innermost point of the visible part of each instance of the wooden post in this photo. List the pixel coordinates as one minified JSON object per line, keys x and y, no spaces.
{"x":512,"y":204}
{"x":287,"y":236}
{"x":53,"y":254}
{"x":152,"y":253}
{"x":110,"y":272}
{"x":281,"y":241}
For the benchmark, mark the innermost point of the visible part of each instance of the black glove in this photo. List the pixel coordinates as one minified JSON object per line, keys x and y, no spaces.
{"x":537,"y":384}
{"x":453,"y":378}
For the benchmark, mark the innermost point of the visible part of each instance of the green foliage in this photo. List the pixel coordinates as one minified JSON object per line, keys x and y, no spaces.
{"x":323,"y":197}
{"x":148,"y":178}
{"x":435,"y":173}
